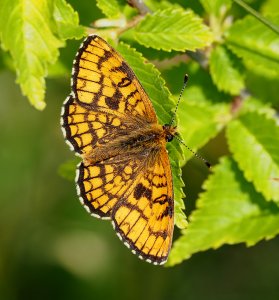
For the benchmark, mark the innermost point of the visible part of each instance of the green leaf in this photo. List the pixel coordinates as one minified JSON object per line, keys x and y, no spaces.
{"x":160,"y":96}
{"x":270,"y":7}
{"x":203,"y":110}
{"x":253,"y":139}
{"x":251,"y":104}
{"x":171,"y":29}
{"x":154,"y":5}
{"x":201,"y":122}
{"x":256,"y":44}
{"x":230,"y":211}
{"x":67,"y":21}
{"x":216,"y":7}
{"x":26,"y":31}
{"x":110,"y":8}
{"x":264,"y":88}
{"x":226,"y":71}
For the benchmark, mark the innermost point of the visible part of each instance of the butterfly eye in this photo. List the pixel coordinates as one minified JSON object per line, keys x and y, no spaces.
{"x":169,"y":137}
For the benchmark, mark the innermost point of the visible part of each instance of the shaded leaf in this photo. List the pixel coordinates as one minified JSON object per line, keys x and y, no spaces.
{"x":230,"y":211}
{"x":253,"y":139}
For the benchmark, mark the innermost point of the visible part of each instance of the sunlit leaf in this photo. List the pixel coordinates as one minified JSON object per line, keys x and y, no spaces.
{"x":110,"y":8}
{"x":171,"y":29}
{"x":230,"y":211}
{"x":26,"y":32}
{"x":216,"y":7}
{"x":225,"y":71}
{"x":254,"y":141}
{"x":256,"y":44}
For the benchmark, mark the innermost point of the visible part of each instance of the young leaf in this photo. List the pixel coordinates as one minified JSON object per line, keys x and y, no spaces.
{"x":230,"y":211}
{"x":26,"y":31}
{"x":225,"y":71}
{"x":67,"y":21}
{"x":216,"y":7}
{"x":110,"y":8}
{"x":163,"y":104}
{"x":171,"y":29}
{"x":154,"y":5}
{"x":256,"y":44}
{"x":253,"y":139}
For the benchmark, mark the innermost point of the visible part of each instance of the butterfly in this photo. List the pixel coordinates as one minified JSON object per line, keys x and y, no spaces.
{"x":125,"y":174}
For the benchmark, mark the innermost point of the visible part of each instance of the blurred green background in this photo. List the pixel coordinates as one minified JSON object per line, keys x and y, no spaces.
{"x":50,"y":248}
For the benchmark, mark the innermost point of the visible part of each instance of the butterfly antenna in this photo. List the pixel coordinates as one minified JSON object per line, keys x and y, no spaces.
{"x":179,"y":98}
{"x":196,"y":154}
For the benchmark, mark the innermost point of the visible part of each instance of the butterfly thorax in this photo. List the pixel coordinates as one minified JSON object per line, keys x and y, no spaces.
{"x":145,"y":141}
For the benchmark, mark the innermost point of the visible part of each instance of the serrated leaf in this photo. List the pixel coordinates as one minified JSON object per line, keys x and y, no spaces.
{"x":160,"y":96}
{"x":252,"y":104}
{"x":226,"y":71}
{"x":256,"y":44}
{"x":110,"y":8}
{"x":230,"y":211}
{"x":26,"y":31}
{"x":253,"y":139}
{"x":216,"y":7}
{"x":159,"y":5}
{"x":171,"y":29}
{"x":201,"y":122}
{"x":203,"y":111}
{"x":67,"y":21}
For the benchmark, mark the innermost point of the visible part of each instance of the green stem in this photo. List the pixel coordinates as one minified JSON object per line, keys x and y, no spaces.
{"x":257,"y":15}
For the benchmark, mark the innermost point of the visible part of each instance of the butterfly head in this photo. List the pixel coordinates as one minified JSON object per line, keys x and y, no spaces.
{"x":169,"y":131}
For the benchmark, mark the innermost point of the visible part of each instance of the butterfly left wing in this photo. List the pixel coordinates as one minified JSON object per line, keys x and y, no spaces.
{"x":143,"y":218}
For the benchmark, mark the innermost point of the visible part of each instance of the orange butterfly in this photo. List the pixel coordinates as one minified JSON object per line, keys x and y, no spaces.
{"x":125,"y":174}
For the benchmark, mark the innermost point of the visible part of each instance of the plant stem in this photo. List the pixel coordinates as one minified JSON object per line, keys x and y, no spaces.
{"x":257,"y":15}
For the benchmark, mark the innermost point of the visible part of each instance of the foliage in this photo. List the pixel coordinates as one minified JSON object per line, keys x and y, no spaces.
{"x":230,"y":63}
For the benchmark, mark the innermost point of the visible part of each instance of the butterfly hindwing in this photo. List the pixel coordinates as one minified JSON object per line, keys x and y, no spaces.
{"x":102,"y":185}
{"x":144,"y":216}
